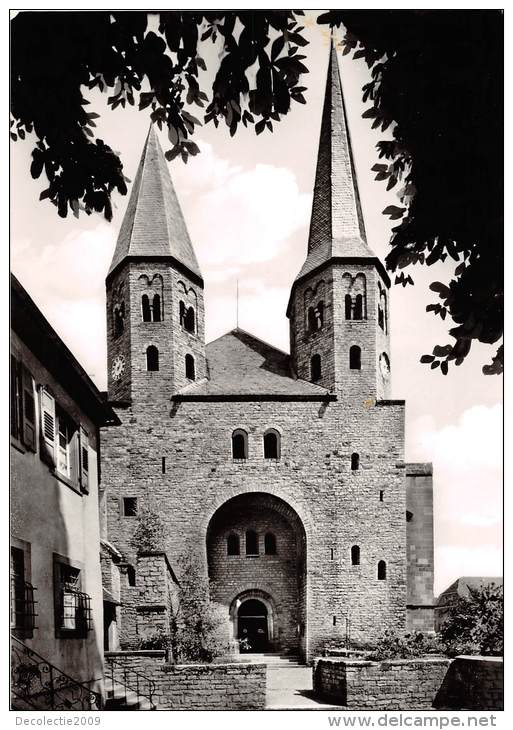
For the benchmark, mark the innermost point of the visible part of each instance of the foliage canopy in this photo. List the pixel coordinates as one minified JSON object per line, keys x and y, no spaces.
{"x":436,"y":82}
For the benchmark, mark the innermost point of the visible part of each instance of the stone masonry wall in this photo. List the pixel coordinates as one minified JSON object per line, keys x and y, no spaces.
{"x":337,"y":507}
{"x":473,"y":683}
{"x":336,"y":337}
{"x":198,"y":686}
{"x":388,"y":685}
{"x":276,"y":575}
{"x":420,"y":548}
{"x":465,"y":683}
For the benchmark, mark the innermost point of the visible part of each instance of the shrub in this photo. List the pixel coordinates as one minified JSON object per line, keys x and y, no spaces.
{"x":201,"y":628}
{"x":392,"y":645}
{"x":149,"y":532}
{"x":475,"y":624}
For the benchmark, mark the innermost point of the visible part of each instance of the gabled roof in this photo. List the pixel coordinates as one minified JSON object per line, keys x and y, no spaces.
{"x":42,"y":340}
{"x":154,"y":226}
{"x":336,"y":228}
{"x":240,"y":364}
{"x":460,"y":586}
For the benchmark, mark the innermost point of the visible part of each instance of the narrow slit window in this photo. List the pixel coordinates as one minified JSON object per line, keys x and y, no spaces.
{"x":381,"y":495}
{"x":156,"y":308}
{"x":270,"y":543}
{"x":233,"y":544}
{"x":130,"y":572}
{"x":312,"y":322}
{"x":146,"y":309}
{"x":355,"y":462}
{"x":358,"y":307}
{"x":355,"y":358}
{"x":152,"y":358}
{"x":251,"y":543}
{"x":355,"y":555}
{"x":190,"y":368}
{"x":315,"y":368}
{"x":348,"y":303}
{"x":382,"y":570}
{"x":163,"y":465}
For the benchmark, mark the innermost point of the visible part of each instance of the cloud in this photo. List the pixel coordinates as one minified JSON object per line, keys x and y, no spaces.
{"x":240,"y":216}
{"x":66,"y":280}
{"x":456,"y":561}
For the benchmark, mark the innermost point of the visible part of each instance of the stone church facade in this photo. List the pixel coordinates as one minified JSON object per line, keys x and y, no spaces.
{"x":284,"y":475}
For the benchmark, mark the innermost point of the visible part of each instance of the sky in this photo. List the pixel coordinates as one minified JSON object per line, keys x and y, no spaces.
{"x":247,"y":203}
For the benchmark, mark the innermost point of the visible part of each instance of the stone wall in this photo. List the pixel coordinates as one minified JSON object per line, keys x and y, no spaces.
{"x":337,"y":507}
{"x":419,"y":546}
{"x":197,"y":686}
{"x":473,"y":683}
{"x":411,"y":684}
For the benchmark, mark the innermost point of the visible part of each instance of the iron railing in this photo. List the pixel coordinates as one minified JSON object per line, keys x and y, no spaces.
{"x":23,"y":607}
{"x":37,"y":684}
{"x":131,"y":681}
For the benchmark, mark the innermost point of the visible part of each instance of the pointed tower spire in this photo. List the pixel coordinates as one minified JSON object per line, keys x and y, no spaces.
{"x":336,"y":227}
{"x":153,"y":226}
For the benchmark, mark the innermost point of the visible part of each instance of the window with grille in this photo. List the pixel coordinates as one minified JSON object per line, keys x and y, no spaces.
{"x":73,"y":606}
{"x":23,"y":613}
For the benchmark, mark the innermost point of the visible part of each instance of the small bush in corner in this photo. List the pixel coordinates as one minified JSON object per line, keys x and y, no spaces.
{"x":414,"y":645}
{"x":149,"y":532}
{"x":475,"y":624}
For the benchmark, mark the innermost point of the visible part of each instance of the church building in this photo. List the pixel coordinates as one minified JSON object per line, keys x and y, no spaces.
{"x":283,"y":475}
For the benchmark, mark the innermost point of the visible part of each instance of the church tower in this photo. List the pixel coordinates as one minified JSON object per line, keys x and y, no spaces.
{"x":339,"y":303}
{"x":155,"y":309}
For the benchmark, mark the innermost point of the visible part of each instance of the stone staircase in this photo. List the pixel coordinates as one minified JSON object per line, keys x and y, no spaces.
{"x":118,"y":697}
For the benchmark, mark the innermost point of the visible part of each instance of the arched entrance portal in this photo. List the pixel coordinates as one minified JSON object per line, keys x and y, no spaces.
{"x":256,"y":551}
{"x":252,"y":631}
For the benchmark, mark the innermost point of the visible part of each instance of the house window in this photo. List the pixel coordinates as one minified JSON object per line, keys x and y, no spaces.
{"x":355,"y":358}
{"x":23,"y":612}
{"x":239,"y":444}
{"x":129,"y":506}
{"x":152,"y":359}
{"x":23,"y":409}
{"x":190,"y":369}
{"x":382,"y":570}
{"x":64,"y":444}
{"x":355,"y":555}
{"x":270,"y":543}
{"x":315,"y":368}
{"x":233,"y":544}
{"x":312,"y":322}
{"x":251,"y":543}
{"x":355,"y":462}
{"x":72,"y":605}
{"x":271,"y":444}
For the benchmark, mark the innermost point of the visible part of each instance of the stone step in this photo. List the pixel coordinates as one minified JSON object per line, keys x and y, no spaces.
{"x":125,"y":699}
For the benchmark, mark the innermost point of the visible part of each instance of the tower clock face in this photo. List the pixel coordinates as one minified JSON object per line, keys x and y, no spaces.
{"x":118,"y":367}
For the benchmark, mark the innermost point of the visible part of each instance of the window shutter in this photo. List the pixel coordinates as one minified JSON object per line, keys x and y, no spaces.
{"x":84,"y":460}
{"x":28,"y":410}
{"x":74,"y":457}
{"x":47,"y":427}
